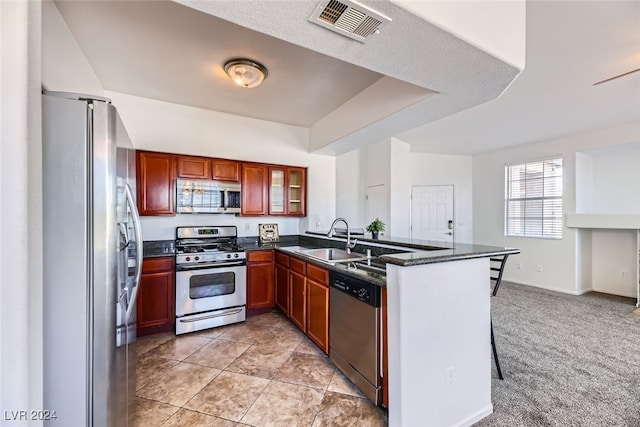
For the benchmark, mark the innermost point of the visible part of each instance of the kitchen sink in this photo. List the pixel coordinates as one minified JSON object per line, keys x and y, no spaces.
{"x":332,"y":255}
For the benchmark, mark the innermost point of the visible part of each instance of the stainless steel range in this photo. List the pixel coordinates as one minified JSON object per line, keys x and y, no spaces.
{"x":211,"y":278}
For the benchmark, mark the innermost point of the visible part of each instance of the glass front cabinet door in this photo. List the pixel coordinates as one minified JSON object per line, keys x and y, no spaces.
{"x":287,"y":191}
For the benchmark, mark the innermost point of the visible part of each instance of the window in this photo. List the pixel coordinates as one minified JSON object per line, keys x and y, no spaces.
{"x":533,"y":199}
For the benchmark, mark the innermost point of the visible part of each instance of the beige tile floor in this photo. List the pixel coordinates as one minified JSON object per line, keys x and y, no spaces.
{"x":263,"y":372}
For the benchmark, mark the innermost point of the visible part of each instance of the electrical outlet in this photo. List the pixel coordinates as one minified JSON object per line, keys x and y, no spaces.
{"x":623,"y":274}
{"x":450,"y":376}
{"x":539,"y":268}
{"x":317,"y":225}
{"x":519,"y":266}
{"x":247,"y":226}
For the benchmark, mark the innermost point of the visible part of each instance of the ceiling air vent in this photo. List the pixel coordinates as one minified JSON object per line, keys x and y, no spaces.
{"x":349,"y":19}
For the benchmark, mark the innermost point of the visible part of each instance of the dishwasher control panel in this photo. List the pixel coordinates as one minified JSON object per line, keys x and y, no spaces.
{"x":358,"y":289}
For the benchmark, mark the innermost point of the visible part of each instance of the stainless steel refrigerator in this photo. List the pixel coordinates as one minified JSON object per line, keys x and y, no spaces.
{"x":92,"y":262}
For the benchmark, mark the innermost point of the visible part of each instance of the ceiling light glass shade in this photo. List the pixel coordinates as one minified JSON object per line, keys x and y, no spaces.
{"x":245,"y":73}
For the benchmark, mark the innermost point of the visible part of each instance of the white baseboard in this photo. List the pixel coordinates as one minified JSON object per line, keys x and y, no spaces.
{"x":617,"y":292}
{"x":549,"y":288}
{"x":474,"y":418}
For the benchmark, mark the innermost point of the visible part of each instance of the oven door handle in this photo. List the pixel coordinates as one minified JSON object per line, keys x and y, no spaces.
{"x":212,"y":316}
{"x":209,"y":265}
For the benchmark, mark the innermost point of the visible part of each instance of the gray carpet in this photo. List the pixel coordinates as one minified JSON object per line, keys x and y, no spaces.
{"x":567,"y":360}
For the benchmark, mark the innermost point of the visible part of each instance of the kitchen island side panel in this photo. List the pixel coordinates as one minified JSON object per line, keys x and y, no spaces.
{"x":439,"y":343}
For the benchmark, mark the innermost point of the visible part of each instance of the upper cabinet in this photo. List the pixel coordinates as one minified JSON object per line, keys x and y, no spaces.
{"x":255,"y":183}
{"x":225,"y":170}
{"x":205,"y":168}
{"x":156,"y":183}
{"x":194,"y":167}
{"x":266,"y":189}
{"x":287,"y":191}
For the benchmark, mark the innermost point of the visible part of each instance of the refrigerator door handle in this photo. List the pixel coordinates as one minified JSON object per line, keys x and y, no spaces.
{"x":138,"y":238}
{"x":125,"y":236}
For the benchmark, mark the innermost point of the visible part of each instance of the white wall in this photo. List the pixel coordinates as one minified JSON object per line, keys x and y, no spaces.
{"x":561,"y":260}
{"x":400,"y":188}
{"x":616,"y":180}
{"x":439,"y":169}
{"x":349,"y":188}
{"x":64,"y":66}
{"x":21,"y":336}
{"x":613,"y":259}
{"x":389,"y":162}
{"x":161,"y":126}
{"x":376,"y":169}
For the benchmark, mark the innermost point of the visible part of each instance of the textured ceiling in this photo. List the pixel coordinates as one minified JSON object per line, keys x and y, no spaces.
{"x":570,"y":46}
{"x":174,"y":51}
{"x":166,"y":51}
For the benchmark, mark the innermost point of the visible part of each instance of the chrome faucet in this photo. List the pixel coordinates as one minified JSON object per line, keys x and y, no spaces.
{"x":350,"y":244}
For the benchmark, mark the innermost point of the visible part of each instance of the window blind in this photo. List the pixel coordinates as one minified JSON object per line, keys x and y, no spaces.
{"x":533,"y":199}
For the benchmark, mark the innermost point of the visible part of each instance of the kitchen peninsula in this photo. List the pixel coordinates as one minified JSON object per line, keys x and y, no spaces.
{"x":439,"y":345}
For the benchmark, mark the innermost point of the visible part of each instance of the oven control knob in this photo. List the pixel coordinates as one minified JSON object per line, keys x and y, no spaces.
{"x":236,"y":256}
{"x":188,"y":258}
{"x":197,"y":258}
{"x":228,"y":255}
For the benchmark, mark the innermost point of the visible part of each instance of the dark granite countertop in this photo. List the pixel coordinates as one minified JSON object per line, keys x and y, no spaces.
{"x":158,"y":248}
{"x":292,"y":244}
{"x":392,"y":250}
{"x":421,"y":251}
{"x":459,"y":251}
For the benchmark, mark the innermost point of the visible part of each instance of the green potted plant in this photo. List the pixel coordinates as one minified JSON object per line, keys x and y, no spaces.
{"x":375,"y":227}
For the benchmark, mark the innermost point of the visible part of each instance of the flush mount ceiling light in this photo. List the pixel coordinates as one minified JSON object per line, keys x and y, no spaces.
{"x":245,"y":72}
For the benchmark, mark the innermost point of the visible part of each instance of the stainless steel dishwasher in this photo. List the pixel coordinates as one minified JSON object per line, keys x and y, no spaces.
{"x":354,"y":332}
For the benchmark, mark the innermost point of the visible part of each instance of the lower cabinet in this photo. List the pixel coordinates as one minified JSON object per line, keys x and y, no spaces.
{"x":298,"y":293}
{"x":318,"y":306}
{"x":156,"y":306}
{"x":302,"y":293}
{"x":385,"y":351}
{"x":260,"y":275}
{"x":282,"y":283}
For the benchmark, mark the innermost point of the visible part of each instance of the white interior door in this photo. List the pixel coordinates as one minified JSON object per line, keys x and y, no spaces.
{"x":432,"y":213}
{"x":376,"y":205}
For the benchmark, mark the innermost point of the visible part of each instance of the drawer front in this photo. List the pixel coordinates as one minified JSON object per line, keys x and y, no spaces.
{"x":155,"y":265}
{"x":298,"y":265}
{"x":282,"y":259}
{"x":318,"y":274}
{"x":260,"y":256}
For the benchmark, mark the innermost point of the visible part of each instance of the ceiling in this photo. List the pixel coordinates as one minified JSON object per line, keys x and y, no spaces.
{"x":570,"y":46}
{"x":170,"y":52}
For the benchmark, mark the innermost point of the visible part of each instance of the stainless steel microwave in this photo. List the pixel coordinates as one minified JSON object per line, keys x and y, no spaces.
{"x":200,"y":196}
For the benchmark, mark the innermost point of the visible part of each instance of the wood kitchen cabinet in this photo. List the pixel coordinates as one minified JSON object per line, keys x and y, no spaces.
{"x":156,"y":183}
{"x":225,"y":170}
{"x":205,"y":168}
{"x":385,"y":350}
{"x":318,"y":306}
{"x":156,"y":306}
{"x":282,"y":282}
{"x":194,"y":167}
{"x":255,"y":181}
{"x":287,"y":191}
{"x":298,"y":293}
{"x":260,"y":282}
{"x":302,"y":293}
